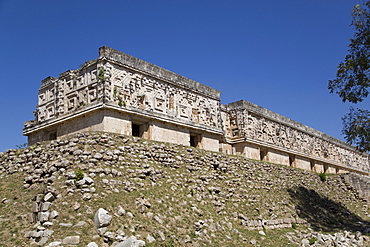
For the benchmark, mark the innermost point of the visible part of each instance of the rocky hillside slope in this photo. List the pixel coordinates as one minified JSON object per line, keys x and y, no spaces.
{"x":98,"y":189}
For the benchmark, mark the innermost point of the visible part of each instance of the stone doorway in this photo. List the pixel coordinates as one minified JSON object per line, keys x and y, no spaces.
{"x":136,"y":130}
{"x":263,"y":154}
{"x":292,"y":160}
{"x":195,"y":140}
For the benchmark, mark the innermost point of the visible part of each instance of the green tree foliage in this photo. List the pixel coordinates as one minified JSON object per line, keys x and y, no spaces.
{"x":352,"y":80}
{"x":357,"y":128}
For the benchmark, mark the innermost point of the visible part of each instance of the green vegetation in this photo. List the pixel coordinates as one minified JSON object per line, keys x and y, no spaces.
{"x":21,"y":146}
{"x":352,"y":80}
{"x":79,"y":174}
{"x":101,"y":73}
{"x":312,"y":240}
{"x":323,"y":176}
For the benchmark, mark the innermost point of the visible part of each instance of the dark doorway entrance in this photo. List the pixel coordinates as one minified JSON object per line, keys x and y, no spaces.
{"x":292,"y":160}
{"x":195,"y":140}
{"x":263,"y":154}
{"x":136,"y":130}
{"x":52,"y":136}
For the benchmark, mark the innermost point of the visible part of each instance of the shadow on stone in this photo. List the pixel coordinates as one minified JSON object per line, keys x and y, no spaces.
{"x":325,"y":214}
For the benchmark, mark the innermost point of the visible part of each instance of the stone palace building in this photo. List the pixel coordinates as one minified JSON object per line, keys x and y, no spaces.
{"x":122,"y":94}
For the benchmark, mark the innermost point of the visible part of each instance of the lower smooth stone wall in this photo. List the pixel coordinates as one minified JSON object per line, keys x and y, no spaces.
{"x":267,"y":154}
{"x":121,"y":123}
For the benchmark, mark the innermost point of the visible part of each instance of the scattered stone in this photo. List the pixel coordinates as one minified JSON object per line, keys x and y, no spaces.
{"x":80,"y":224}
{"x":49,"y":197}
{"x":87,"y":197}
{"x":55,"y":243}
{"x":46,"y":206}
{"x":131,"y":242}
{"x":71,"y":175}
{"x":121,"y":211}
{"x":150,"y":239}
{"x":305,"y":242}
{"x":76,"y":206}
{"x":161,"y":236}
{"x":109,"y":235}
{"x":102,"y":218}
{"x":71,"y":240}
{"x":43,"y":241}
{"x":92,"y":244}
{"x":156,"y":218}
{"x":143,"y":202}
{"x":54,"y":214}
{"x":44,"y":216}
{"x":101,"y":231}
{"x":98,"y":156}
{"x":65,"y":224}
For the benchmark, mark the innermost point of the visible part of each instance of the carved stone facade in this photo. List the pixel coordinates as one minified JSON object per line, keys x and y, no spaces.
{"x":123,"y":94}
{"x":261,"y":134}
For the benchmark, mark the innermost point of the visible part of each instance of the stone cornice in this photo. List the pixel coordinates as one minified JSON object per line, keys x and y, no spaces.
{"x":130,"y":110}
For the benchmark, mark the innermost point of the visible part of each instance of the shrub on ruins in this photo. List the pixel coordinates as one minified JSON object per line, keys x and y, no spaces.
{"x":323,"y":176}
{"x":79,"y":174}
{"x":357,"y":128}
{"x":21,"y":146}
{"x":352,"y":80}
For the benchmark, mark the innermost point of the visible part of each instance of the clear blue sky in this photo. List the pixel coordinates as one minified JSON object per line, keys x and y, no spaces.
{"x":278,"y":54}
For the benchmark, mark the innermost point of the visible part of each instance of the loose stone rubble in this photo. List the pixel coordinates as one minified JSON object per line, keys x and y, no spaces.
{"x":137,"y":192}
{"x":310,"y":238}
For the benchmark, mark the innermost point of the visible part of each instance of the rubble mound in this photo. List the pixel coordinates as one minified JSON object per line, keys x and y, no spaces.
{"x":100,"y":189}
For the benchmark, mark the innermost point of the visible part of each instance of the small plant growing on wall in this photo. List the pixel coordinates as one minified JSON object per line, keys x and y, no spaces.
{"x":115,"y":91}
{"x":101,"y":73}
{"x":120,"y":100}
{"x":21,"y":146}
{"x":322,"y":176}
{"x":79,"y":174}
{"x":312,"y":240}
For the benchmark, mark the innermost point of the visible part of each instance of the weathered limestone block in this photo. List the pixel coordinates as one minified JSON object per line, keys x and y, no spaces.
{"x":71,"y":240}
{"x":53,"y":214}
{"x":49,"y":197}
{"x":92,"y":244}
{"x":44,"y":216}
{"x":45,"y":206}
{"x":102,"y":218}
{"x":131,"y":242}
{"x":35,"y":207}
